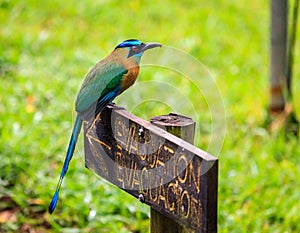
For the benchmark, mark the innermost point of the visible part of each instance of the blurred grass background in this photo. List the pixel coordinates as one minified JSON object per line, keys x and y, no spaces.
{"x":46,"y":49}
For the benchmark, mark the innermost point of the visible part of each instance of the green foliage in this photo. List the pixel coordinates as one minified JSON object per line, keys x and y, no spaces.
{"x":47,"y":47}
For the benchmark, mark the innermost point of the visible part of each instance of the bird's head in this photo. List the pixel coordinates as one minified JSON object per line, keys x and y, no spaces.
{"x":134,"y":48}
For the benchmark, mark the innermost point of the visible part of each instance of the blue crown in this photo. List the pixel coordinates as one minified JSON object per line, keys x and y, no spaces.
{"x":129,"y":43}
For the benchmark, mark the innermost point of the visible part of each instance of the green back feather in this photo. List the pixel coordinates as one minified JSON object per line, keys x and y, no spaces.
{"x":101,"y":79}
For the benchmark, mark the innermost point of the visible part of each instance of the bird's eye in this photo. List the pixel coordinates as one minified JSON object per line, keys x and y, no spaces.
{"x":134,"y":48}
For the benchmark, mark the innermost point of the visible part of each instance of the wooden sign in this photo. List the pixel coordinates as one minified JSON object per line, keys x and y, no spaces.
{"x":172,"y":176}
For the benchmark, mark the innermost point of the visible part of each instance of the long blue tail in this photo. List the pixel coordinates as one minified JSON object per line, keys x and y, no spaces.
{"x":72,"y":144}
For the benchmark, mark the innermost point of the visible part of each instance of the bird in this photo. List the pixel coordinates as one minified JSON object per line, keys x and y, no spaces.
{"x":102,"y":84}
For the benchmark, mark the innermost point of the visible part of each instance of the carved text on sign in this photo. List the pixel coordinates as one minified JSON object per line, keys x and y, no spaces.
{"x":144,"y":160}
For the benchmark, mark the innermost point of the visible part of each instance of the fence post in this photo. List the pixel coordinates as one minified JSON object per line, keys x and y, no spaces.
{"x":183,"y":127}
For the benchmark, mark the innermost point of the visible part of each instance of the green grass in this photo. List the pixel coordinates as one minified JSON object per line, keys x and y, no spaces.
{"x":47,"y":47}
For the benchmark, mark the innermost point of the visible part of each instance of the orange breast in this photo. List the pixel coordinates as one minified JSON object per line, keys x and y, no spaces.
{"x":129,"y":78}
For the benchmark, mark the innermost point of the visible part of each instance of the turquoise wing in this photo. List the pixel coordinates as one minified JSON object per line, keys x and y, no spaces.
{"x":97,"y":88}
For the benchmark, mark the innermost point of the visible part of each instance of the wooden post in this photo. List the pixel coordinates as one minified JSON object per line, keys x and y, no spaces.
{"x":278,"y":55}
{"x":184,"y":128}
{"x":169,"y":174}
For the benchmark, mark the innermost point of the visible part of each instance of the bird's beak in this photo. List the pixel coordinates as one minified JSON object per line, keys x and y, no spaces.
{"x":150,"y":45}
{"x":142,"y":48}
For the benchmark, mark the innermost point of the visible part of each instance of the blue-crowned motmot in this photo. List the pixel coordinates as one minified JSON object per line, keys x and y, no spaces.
{"x":106,"y":80}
